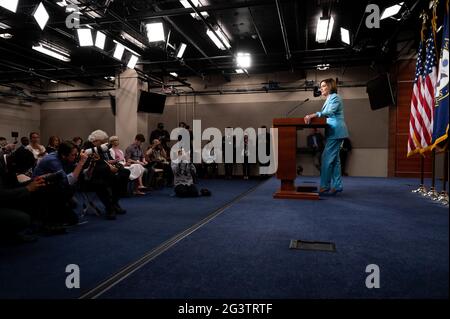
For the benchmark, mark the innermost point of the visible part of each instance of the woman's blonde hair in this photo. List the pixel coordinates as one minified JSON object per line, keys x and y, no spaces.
{"x":113,"y":138}
{"x":331,"y":83}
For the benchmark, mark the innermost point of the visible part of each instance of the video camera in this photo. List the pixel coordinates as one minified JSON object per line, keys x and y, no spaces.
{"x":54,"y":178}
{"x":98,"y":149}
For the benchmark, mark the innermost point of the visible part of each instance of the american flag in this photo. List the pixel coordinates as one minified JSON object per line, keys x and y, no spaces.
{"x":422,"y":101}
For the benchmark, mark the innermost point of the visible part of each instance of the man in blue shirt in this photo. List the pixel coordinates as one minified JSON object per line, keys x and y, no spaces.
{"x":60,"y":173}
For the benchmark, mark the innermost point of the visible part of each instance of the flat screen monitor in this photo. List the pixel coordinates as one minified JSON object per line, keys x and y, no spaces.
{"x":150,"y":102}
{"x":380,"y":92}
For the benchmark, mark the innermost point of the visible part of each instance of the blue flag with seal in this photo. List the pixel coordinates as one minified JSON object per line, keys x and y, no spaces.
{"x":440,"y":127}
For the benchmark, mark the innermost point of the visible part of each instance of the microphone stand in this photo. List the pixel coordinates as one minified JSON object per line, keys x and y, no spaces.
{"x":295,"y":107}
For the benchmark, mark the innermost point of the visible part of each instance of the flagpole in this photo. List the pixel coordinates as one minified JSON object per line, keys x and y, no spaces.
{"x":432,"y":192}
{"x":422,"y":189}
{"x":443,"y":196}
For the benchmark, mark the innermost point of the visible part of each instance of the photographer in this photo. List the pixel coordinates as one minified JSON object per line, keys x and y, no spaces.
{"x":16,"y":197}
{"x":184,"y":172}
{"x":60,"y":173}
{"x":157,"y":158}
{"x":102,"y":176}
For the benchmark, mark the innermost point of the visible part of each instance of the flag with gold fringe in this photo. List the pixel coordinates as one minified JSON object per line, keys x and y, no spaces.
{"x":441,"y":118}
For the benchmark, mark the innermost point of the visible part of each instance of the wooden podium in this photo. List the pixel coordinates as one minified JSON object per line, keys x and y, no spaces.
{"x":287,"y":157}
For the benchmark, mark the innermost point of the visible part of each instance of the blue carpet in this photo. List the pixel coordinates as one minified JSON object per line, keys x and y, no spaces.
{"x":243,"y":253}
{"x":100,"y":247}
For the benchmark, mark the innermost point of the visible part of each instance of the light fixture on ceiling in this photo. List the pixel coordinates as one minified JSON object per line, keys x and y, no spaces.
{"x":243,"y":60}
{"x":323,"y":67}
{"x":181,"y":50}
{"x":155,"y":32}
{"x":132,"y":62}
{"x":391,"y":11}
{"x":239,"y":71}
{"x":93,"y":14}
{"x":5,"y":35}
{"x":345,"y":36}
{"x":62,"y":3}
{"x":127,"y":48}
{"x":85,"y":37}
{"x":10,"y":5}
{"x":324,"y":29}
{"x":100,"y":40}
{"x":41,"y":16}
{"x":54,"y":81}
{"x":118,"y":51}
{"x":174,"y":74}
{"x":132,"y":40}
{"x":196,"y":3}
{"x":216,"y":40}
{"x":53,"y":51}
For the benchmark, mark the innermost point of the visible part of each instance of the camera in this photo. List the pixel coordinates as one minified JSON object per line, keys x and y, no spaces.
{"x":317,"y":91}
{"x":98,"y":149}
{"x":54,"y":178}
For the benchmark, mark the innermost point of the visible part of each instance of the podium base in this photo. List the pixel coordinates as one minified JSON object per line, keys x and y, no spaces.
{"x":296,"y":195}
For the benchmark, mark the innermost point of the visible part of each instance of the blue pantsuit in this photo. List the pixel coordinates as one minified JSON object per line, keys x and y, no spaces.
{"x":335,"y":132}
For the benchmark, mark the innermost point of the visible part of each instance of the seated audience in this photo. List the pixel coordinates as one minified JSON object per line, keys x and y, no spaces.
{"x":35,"y":147}
{"x":78,"y":141}
{"x":53,"y":144}
{"x":136,"y":170}
{"x":162,"y":135}
{"x":102,"y":177}
{"x":16,"y":197}
{"x":61,"y":173}
{"x":157,"y":157}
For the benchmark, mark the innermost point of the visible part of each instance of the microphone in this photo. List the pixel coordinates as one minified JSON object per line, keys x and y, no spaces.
{"x":295,"y":107}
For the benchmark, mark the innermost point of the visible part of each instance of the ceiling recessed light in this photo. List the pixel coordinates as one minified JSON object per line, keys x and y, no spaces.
{"x":10,"y":5}
{"x":41,"y":16}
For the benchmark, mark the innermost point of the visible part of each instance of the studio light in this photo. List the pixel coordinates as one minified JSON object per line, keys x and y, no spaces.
{"x":85,"y":37}
{"x":345,"y":36}
{"x":10,"y":5}
{"x":173,"y":74}
{"x":243,"y":60}
{"x":155,"y":32}
{"x":196,"y":3}
{"x":324,"y":29}
{"x":118,"y":52}
{"x":41,"y":16}
{"x":100,"y":40}
{"x":125,"y":47}
{"x":181,"y":50}
{"x":216,"y":41}
{"x":132,"y":62}
{"x":53,"y":51}
{"x":391,"y":11}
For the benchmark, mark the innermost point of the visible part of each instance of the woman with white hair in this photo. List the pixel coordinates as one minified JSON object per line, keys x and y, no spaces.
{"x":136,"y":170}
{"x":107,"y":180}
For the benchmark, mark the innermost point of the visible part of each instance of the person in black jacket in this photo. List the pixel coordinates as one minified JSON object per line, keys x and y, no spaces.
{"x":229,"y":140}
{"x":15,"y":199}
{"x":346,"y":148}
{"x":315,"y":142}
{"x":102,"y":176}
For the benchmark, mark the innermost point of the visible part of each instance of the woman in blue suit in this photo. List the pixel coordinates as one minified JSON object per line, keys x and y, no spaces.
{"x":335,"y":132}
